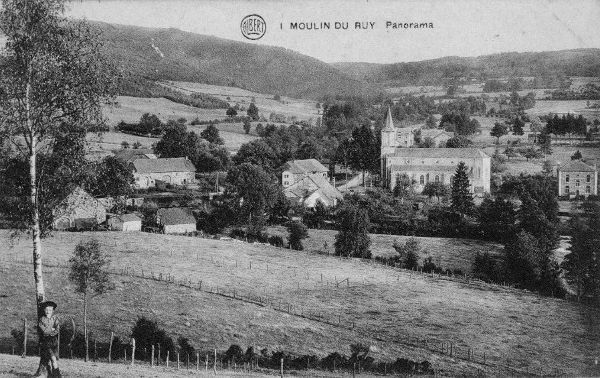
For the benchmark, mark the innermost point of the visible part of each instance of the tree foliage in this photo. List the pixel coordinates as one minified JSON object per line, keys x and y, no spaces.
{"x":253,"y":112}
{"x":297,"y":232}
{"x":499,"y":130}
{"x":352,"y":239}
{"x":211,"y":134}
{"x":461,"y":197}
{"x":458,"y":141}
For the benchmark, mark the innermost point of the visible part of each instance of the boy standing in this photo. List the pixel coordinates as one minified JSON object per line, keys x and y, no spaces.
{"x":48,"y":328}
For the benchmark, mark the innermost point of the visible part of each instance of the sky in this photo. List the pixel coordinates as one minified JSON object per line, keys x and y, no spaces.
{"x":460,"y":27}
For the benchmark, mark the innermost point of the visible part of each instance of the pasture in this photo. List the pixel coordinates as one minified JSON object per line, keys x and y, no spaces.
{"x":399,"y":313}
{"x":300,"y":108}
{"x":446,"y":253}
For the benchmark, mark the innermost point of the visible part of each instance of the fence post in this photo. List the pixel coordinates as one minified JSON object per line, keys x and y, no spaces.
{"x":215,"y":362}
{"x":187,"y":360}
{"x":197,"y":361}
{"x":158,"y":355}
{"x":168,"y":358}
{"x":282,"y":368}
{"x":206,"y":363}
{"x":152,"y":358}
{"x":24,"y":338}
{"x":110,"y":347}
{"x":177,"y":360}
{"x":58,"y":345}
{"x":132,"y":351}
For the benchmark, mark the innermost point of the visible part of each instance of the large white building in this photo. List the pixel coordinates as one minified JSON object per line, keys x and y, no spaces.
{"x":424,"y":165}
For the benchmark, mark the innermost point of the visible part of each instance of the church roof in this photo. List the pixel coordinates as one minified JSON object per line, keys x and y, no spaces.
{"x":423,"y":168}
{"x":577,"y":166}
{"x":389,"y":124}
{"x":456,"y":153}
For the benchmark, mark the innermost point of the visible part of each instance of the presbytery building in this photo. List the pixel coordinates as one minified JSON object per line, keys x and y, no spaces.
{"x":576,"y":178}
{"x":424,"y":165}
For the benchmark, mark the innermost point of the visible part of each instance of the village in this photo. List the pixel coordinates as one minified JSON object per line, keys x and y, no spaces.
{"x":195,"y":205}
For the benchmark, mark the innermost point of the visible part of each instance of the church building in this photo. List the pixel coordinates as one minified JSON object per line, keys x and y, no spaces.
{"x":424,"y":165}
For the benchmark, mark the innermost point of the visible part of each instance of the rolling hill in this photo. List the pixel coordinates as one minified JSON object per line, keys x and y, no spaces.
{"x":233,"y":292}
{"x":578,"y":62}
{"x":149,"y":55}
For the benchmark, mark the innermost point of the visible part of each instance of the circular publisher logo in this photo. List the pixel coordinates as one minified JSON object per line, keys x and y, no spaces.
{"x":253,"y":26}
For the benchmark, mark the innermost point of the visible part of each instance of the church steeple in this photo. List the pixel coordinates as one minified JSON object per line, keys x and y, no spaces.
{"x":389,"y":124}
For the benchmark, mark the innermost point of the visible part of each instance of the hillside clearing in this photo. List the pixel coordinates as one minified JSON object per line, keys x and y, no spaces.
{"x":388,"y":307}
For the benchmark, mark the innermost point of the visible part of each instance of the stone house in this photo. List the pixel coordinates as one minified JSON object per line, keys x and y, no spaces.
{"x":78,"y":210}
{"x":175,"y":171}
{"x":296,"y":170}
{"x":576,"y":178}
{"x":312,"y":189}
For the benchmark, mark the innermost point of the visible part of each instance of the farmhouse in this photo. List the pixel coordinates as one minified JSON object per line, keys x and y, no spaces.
{"x":176,"y":171}
{"x":312,"y":189}
{"x":176,"y":220}
{"x":125,"y":222}
{"x":577,"y":178}
{"x":424,"y":165}
{"x":296,"y":170}
{"x":78,"y":210}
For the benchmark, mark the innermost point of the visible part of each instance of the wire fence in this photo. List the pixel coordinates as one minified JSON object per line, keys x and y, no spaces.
{"x":446,"y":348}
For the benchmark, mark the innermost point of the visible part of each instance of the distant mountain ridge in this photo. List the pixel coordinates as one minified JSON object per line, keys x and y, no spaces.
{"x":151,"y":54}
{"x":577,"y":62}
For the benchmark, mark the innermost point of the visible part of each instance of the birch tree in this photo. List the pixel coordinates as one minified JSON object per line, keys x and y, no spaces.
{"x":52,"y":78}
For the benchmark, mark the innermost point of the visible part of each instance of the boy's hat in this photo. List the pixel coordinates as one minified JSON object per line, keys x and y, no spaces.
{"x":48,"y":303}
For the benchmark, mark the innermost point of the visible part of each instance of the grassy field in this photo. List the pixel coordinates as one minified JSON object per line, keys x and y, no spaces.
{"x":15,"y":366}
{"x":130,"y":109}
{"x":389,"y":308}
{"x":447,"y":253}
{"x":302,"y":109}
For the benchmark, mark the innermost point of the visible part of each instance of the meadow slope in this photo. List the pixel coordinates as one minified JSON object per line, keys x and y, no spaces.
{"x":394,"y":311}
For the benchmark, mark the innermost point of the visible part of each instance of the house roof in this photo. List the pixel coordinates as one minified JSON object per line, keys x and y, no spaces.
{"x":128,"y":218}
{"x":389,"y":123}
{"x":305,"y":166}
{"x":164,"y":165}
{"x":456,"y":153}
{"x":576,"y":166}
{"x":311,"y":184}
{"x":129,"y":155}
{"x":175,"y":215}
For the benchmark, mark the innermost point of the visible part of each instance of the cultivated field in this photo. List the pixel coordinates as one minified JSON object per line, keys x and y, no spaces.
{"x":399,"y":313}
{"x":302,"y":109}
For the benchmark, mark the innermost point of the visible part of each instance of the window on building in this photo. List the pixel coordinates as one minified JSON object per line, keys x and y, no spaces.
{"x":567,"y":178}
{"x":577,"y":183}
{"x":422,"y":180}
{"x":567,"y":189}
{"x":437,"y":178}
{"x":286,"y":183}
{"x":589,"y":178}
{"x":588,"y":189}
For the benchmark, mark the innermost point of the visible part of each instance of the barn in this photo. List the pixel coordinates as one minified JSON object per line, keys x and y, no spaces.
{"x":176,"y":220}
{"x":125,"y":222}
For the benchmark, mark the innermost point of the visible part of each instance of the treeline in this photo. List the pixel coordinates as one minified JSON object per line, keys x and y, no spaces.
{"x":136,"y":86}
{"x":566,"y":124}
{"x":589,"y":91}
{"x":518,"y":84}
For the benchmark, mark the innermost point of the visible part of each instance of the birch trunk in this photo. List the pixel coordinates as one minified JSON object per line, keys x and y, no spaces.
{"x":85,"y":332}
{"x":35,"y":215}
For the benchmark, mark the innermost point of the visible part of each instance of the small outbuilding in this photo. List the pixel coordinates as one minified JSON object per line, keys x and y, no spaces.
{"x":125,"y":222}
{"x":176,"y":220}
{"x":78,"y":210}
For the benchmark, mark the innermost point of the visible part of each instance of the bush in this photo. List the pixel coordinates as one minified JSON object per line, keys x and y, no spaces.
{"x":276,"y":241}
{"x":186,"y":347}
{"x":297,"y":232}
{"x":234,"y":353}
{"x":486,"y":268}
{"x":147,"y":333}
